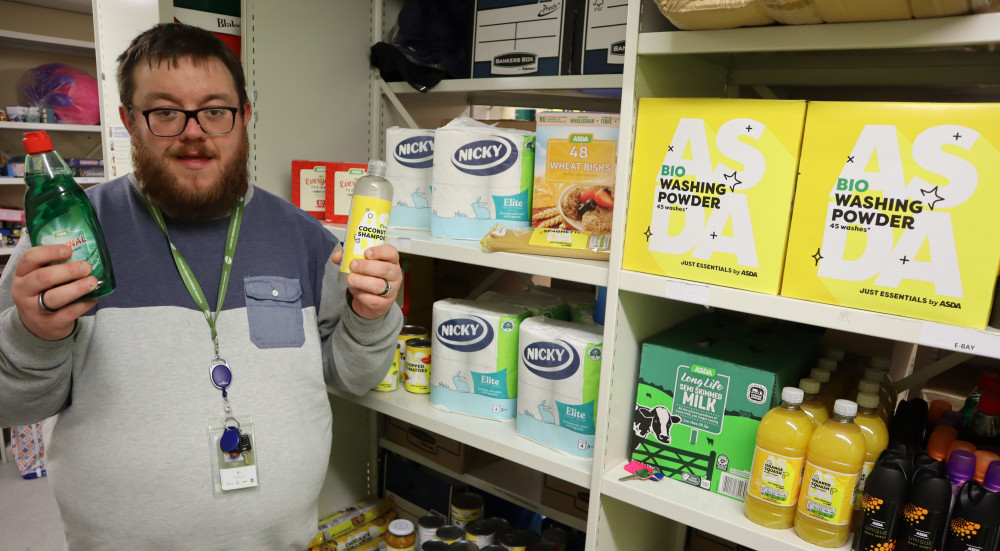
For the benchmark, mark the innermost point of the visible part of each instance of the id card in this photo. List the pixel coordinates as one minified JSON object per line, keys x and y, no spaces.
{"x":237,"y":469}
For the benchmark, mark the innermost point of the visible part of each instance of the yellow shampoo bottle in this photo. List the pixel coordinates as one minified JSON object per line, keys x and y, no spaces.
{"x":876,"y":439}
{"x":833,"y":466}
{"x":368,"y":222}
{"x":815,"y":409}
{"x":782,"y":440}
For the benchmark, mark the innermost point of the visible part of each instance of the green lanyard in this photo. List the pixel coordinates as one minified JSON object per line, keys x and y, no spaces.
{"x":188,"y":276}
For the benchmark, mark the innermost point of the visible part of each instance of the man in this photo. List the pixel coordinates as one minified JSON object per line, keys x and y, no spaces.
{"x":164,"y":406}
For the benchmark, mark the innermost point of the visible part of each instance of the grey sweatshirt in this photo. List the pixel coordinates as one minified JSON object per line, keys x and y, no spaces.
{"x":130,"y":459}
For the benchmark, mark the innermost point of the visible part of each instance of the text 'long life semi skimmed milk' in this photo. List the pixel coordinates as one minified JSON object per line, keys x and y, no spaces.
{"x":895,"y":209}
{"x":711,"y":191}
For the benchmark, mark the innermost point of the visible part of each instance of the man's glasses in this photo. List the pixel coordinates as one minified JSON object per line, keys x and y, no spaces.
{"x":167,"y":122}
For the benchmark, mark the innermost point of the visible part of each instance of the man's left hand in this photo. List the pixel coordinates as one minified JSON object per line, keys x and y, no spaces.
{"x":369,"y":278}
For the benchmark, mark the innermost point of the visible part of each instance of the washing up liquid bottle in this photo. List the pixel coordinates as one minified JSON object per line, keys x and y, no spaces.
{"x":57,"y":211}
{"x":782,"y":438}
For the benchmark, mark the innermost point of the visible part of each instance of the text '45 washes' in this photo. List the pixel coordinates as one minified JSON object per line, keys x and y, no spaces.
{"x":711,"y":192}
{"x":895,"y":210}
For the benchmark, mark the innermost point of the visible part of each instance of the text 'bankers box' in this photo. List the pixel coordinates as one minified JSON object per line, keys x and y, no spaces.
{"x":895,"y":210}
{"x":711,"y":191}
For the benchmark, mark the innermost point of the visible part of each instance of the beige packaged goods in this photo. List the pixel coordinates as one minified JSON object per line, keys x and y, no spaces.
{"x":939,"y":8}
{"x":841,"y":11}
{"x":715,"y":14}
{"x":792,"y":12}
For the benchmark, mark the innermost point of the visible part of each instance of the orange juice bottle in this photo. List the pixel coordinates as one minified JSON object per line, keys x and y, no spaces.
{"x":833,"y":466}
{"x":886,"y":393}
{"x":871,"y":387}
{"x":837,"y":385}
{"x":876,"y":439}
{"x":882,"y":364}
{"x":824,"y":395}
{"x":815,"y":409}
{"x":782,"y":438}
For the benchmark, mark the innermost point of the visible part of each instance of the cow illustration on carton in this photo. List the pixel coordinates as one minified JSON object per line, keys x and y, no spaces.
{"x":656,"y":420}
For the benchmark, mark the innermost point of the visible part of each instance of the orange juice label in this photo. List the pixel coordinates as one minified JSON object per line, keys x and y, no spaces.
{"x":827,"y":495}
{"x":366,"y":227}
{"x":775,"y":478}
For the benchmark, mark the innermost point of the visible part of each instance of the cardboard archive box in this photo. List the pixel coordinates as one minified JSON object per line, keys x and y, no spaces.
{"x":450,"y":454}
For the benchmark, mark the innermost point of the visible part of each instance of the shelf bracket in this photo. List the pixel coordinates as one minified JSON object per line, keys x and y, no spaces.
{"x":394,"y":100}
{"x":764,"y":92}
{"x":486,"y":283}
{"x":920,"y":377}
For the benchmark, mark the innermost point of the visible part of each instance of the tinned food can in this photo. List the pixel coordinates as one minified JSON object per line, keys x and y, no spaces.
{"x":480,"y":531}
{"x":406,"y":333}
{"x":427,"y":527}
{"x":391,"y":380}
{"x":465,"y":508}
{"x":450,"y":534}
{"x":418,"y":366}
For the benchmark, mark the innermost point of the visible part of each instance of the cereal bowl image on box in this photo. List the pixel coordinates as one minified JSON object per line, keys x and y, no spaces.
{"x":587,"y":208}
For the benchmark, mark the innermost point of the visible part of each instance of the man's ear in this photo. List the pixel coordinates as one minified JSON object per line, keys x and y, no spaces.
{"x":247,"y":113}
{"x":124,"y":113}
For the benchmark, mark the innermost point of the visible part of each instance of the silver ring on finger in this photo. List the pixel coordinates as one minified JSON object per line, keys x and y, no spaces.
{"x":388,"y":287}
{"x":41,"y":304}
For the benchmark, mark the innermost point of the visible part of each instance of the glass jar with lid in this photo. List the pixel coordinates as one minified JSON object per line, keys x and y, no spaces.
{"x":400,"y":536}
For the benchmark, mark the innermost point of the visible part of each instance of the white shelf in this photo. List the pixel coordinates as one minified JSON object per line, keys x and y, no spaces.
{"x":505,"y":479}
{"x":498,"y":438}
{"x":984,"y":342}
{"x":55,"y":127}
{"x":6,"y":181}
{"x":44,"y":43}
{"x":421,"y":243}
{"x":912,"y":33}
{"x":701,"y":509}
{"x":7,"y":250}
{"x":520,"y":84}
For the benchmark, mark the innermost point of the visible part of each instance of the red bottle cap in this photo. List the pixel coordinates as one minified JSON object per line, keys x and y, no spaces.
{"x":37,"y":142}
{"x":989,"y":404}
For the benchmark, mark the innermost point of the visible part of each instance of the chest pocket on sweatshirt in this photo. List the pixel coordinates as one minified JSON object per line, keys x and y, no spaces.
{"x":274,"y":310}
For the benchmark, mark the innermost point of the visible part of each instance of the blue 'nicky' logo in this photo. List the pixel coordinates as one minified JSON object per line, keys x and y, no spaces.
{"x":465,"y":334}
{"x":415,"y":152}
{"x":485,"y":157}
{"x":551,"y":360}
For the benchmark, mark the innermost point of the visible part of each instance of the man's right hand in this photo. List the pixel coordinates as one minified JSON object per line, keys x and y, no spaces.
{"x":60,"y":285}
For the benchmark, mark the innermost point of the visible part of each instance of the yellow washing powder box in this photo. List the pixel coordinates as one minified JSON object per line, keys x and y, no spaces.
{"x":896,"y":210}
{"x":711,"y":189}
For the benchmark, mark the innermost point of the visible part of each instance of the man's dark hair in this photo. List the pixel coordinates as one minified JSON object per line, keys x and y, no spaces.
{"x":171,"y":42}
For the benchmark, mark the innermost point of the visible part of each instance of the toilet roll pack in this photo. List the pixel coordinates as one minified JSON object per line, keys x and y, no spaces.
{"x":537,"y":304}
{"x":482,"y":175}
{"x":559,"y":372}
{"x":409,"y":157}
{"x":475,"y":357}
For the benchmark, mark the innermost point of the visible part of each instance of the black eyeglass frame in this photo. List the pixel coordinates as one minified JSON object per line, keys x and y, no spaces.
{"x":188,"y":115}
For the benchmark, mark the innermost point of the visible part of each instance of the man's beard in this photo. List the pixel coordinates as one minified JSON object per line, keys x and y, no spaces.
{"x":185,"y":203}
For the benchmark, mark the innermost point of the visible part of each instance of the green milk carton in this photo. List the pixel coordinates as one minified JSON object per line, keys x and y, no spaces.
{"x":703,"y":388}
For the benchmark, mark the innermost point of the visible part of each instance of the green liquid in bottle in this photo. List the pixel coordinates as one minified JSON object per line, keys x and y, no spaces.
{"x":58,"y":211}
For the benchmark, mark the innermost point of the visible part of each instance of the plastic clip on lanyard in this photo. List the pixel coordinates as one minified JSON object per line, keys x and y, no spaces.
{"x":219,"y":371}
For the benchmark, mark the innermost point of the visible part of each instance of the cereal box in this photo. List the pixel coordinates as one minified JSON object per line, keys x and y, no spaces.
{"x":711,"y":190}
{"x":703,"y":388}
{"x":575,"y":160}
{"x":894,"y":210}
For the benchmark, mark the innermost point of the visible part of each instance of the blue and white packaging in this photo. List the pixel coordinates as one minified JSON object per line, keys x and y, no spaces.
{"x":482,"y":176}
{"x":474,"y":350}
{"x":559,"y":373}
{"x":409,"y":159}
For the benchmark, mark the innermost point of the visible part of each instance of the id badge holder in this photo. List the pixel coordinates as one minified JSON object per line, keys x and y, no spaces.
{"x":235,"y":469}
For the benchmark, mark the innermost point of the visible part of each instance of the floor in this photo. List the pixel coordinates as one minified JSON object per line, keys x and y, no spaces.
{"x":29,"y":518}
